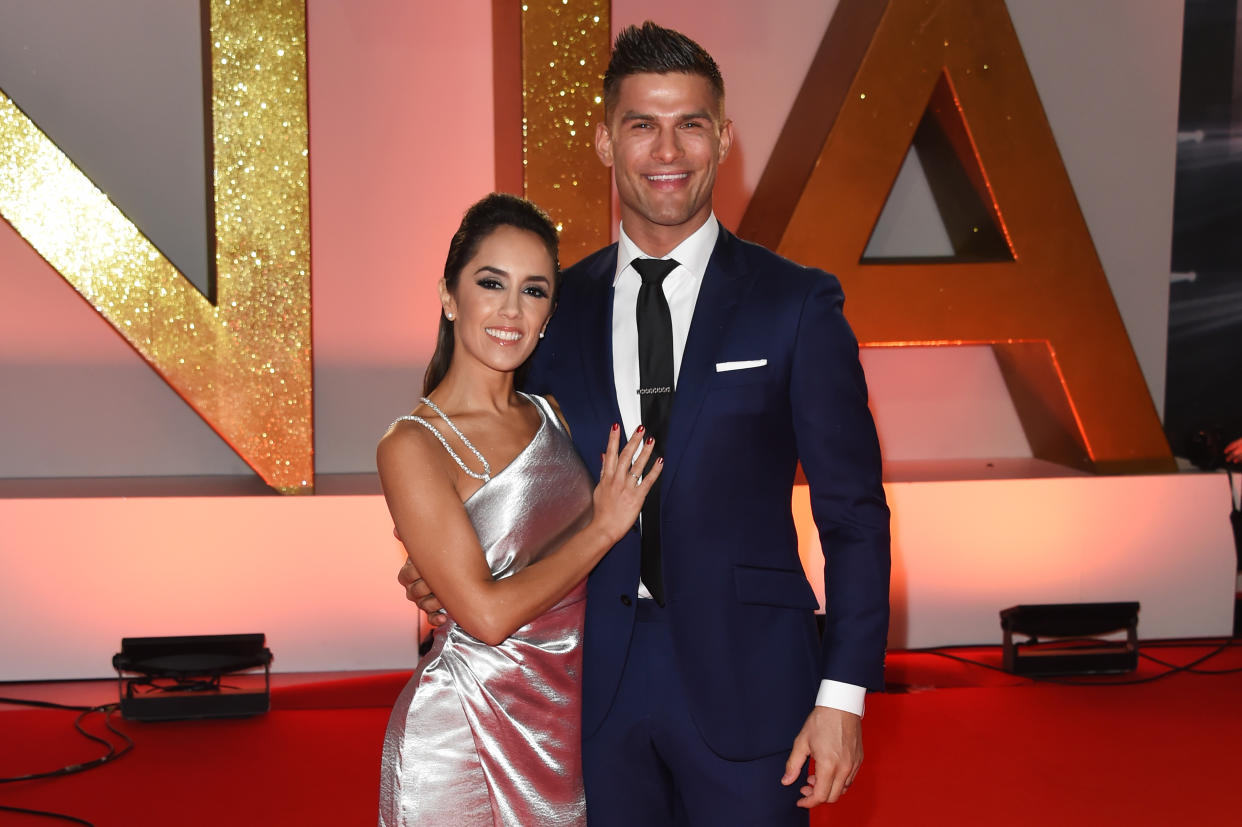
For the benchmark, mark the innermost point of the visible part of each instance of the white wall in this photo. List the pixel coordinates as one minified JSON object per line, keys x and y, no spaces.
{"x":317,"y":574}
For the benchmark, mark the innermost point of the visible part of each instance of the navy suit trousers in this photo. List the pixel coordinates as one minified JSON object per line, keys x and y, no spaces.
{"x":649,"y":765}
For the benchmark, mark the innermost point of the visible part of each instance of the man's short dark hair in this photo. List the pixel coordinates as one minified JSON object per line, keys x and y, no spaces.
{"x":656,"y":50}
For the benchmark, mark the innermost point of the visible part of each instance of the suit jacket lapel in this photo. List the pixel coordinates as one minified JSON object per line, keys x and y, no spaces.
{"x":595,"y":331}
{"x":718,"y":300}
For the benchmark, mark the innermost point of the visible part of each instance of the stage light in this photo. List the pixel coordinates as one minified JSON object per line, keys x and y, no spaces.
{"x":183,"y":677}
{"x":1064,"y":638}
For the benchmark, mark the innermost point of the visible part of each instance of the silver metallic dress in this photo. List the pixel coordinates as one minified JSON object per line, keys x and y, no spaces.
{"x":490,"y":735}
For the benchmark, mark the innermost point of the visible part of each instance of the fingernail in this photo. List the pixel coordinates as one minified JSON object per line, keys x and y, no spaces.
{"x":650,"y":440}
{"x":659,"y":460}
{"x":641,"y":429}
{"x":615,"y":426}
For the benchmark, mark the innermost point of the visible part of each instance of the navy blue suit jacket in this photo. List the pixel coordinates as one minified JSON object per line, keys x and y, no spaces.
{"x":738,"y":602}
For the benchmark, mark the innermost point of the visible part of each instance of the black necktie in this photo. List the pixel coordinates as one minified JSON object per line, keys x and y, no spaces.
{"x":655,"y":395}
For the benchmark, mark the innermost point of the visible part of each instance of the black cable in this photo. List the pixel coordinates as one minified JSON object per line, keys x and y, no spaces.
{"x":1190,"y":667}
{"x":1171,"y":670}
{"x":936,"y":651}
{"x":47,"y":704}
{"x":1190,"y":670}
{"x":111,"y":755}
{"x":151,"y":685}
{"x":45,"y":814}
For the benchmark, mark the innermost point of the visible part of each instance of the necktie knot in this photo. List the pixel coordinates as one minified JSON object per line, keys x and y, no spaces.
{"x":653,"y":270}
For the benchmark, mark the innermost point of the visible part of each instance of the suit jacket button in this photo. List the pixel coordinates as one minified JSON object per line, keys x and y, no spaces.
{"x":625,"y":600}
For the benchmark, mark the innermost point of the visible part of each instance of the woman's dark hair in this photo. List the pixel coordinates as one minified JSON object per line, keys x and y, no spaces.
{"x":496,"y":210}
{"x":652,"y":49}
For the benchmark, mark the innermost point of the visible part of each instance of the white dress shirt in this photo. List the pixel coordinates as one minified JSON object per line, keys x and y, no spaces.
{"x":681,"y":290}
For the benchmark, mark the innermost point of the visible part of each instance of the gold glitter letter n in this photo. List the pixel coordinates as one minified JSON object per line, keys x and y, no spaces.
{"x":550,"y":57}
{"x":244,"y":363}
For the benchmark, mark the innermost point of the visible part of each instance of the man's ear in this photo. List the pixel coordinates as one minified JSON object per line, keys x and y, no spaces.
{"x":726,"y":140}
{"x":603,"y":144}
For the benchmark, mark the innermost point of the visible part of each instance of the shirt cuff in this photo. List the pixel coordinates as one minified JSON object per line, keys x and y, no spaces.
{"x":843,"y":696}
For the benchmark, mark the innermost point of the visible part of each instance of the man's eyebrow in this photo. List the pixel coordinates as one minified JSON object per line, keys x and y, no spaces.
{"x":680,"y":116}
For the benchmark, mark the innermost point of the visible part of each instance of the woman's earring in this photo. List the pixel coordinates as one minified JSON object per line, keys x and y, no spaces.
{"x":449,"y":316}
{"x":541,"y":334}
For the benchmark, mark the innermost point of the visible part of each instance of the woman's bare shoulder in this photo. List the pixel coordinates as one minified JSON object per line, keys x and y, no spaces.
{"x":410,"y":446}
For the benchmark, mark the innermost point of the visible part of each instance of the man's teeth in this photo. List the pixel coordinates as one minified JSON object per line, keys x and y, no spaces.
{"x":507,"y":335}
{"x":672,"y":176}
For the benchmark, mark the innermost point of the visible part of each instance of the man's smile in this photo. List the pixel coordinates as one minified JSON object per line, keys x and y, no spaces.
{"x":667,"y":177}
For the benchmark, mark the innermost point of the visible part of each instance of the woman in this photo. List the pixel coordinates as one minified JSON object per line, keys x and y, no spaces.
{"x":497,"y":513}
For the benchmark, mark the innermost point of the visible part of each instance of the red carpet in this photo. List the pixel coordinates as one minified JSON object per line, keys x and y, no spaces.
{"x":981,"y":748}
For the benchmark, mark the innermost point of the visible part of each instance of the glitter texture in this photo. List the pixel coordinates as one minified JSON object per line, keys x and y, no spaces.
{"x":565,"y":50}
{"x":244,"y":363}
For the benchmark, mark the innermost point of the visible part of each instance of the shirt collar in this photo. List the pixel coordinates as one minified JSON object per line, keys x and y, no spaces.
{"x":692,"y":253}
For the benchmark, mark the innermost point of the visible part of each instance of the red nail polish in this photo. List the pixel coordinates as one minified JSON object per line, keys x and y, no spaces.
{"x":641,"y":429}
{"x":615,"y":426}
{"x":659,"y":460}
{"x":650,"y":440}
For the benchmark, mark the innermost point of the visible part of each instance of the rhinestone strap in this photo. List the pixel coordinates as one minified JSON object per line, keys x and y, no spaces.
{"x":487,"y":468}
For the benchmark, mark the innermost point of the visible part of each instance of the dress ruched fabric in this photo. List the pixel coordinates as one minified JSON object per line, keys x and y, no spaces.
{"x":490,"y":735}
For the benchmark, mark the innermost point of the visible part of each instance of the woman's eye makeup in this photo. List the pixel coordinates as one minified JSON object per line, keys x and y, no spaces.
{"x":492,"y":283}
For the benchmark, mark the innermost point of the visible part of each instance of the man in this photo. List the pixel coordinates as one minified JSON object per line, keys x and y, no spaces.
{"x":702,"y":670}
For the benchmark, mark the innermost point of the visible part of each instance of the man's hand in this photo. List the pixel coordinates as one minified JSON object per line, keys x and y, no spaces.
{"x":834,"y":739}
{"x":417,"y":591}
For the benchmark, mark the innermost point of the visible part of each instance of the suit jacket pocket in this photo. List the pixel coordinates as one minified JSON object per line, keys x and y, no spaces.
{"x":743,"y":376}
{"x":741,"y":392}
{"x":773,"y":587}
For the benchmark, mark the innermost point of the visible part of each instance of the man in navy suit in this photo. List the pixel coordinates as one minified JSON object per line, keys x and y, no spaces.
{"x":695,"y":685}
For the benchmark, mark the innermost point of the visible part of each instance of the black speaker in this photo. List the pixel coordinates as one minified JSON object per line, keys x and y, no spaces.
{"x":1063,"y":638}
{"x":175,"y":678}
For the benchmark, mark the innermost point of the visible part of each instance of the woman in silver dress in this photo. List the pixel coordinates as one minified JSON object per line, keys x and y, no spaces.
{"x":498,"y":514}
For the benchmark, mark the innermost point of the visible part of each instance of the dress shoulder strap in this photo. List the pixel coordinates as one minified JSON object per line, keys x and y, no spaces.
{"x":487,"y":468}
{"x":548,"y":410}
{"x":541,"y":404}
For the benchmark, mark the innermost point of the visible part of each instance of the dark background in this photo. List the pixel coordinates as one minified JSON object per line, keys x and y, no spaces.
{"x":1204,"y":383}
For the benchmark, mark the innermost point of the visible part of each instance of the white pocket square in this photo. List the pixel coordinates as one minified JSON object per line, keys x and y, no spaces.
{"x":722,"y":367}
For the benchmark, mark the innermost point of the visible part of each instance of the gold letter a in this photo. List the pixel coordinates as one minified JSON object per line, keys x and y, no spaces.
{"x":1038,"y":295}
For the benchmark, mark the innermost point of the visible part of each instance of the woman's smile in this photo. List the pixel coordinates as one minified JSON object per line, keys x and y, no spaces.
{"x":505,"y":335}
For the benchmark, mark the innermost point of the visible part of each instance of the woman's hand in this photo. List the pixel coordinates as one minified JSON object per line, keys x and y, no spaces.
{"x":1233,"y":452}
{"x":622,"y":489}
{"x":418,"y":592}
